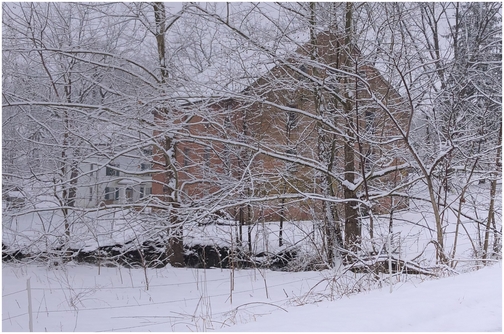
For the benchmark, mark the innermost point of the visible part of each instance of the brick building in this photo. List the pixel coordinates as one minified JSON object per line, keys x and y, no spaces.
{"x":260,"y":155}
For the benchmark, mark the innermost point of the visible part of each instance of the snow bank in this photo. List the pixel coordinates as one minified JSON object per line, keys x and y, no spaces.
{"x":85,"y":298}
{"x":468,"y":302}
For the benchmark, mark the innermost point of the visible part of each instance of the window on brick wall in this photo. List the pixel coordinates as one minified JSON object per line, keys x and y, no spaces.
{"x":226,"y":152}
{"x":187,"y":151}
{"x":291,"y":100}
{"x":300,"y":76}
{"x":206,"y":157}
{"x":363,"y":75}
{"x":368,"y":163}
{"x":291,"y":118}
{"x":291,"y":167}
{"x":370,"y":121}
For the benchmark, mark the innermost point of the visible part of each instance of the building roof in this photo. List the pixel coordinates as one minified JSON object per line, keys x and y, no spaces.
{"x":242,"y":63}
{"x":237,"y":64}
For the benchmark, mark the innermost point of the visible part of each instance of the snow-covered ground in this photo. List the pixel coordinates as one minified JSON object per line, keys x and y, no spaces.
{"x":469,"y":302}
{"x":41,"y":230}
{"x":85,"y":298}
{"x":79,"y":297}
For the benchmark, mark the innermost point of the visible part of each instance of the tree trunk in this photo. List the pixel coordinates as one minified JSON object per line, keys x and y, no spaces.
{"x":352,"y":227}
{"x":174,"y":229}
{"x":493,"y":191}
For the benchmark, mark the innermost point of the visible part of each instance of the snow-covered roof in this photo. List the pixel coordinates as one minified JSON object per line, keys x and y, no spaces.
{"x":223,"y":55}
{"x":238,"y":61}
{"x":15,"y":194}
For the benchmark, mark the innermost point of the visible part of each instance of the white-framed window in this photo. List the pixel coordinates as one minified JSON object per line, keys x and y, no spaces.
{"x":146,"y":166}
{"x":111,"y":193}
{"x":111,"y":170}
{"x":129,"y":194}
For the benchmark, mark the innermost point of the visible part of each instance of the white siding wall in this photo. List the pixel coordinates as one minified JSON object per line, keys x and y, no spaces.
{"x":92,"y":184}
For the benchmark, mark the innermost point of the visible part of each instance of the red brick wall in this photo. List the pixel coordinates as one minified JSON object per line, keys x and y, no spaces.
{"x":200,"y":163}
